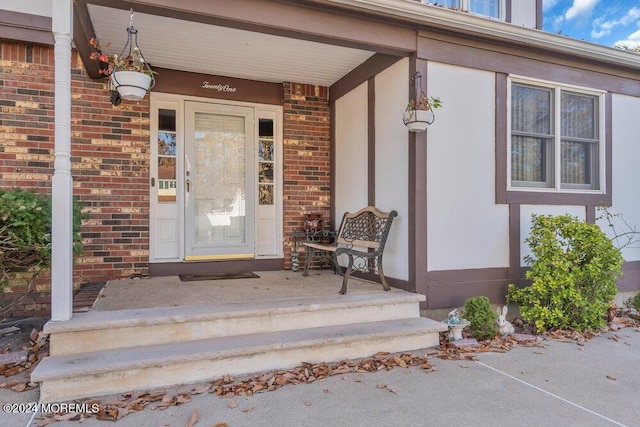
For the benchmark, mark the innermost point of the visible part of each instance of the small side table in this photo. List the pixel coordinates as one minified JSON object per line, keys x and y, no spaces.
{"x":326,"y":236}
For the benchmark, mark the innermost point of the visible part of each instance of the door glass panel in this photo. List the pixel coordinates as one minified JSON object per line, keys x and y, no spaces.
{"x":219,"y":177}
{"x":265,"y":162}
{"x":166,"y":156}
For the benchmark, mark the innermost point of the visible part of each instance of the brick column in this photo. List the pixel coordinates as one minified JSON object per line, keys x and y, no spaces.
{"x":307,"y":157}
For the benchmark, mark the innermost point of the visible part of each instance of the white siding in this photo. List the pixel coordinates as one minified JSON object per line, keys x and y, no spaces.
{"x":466,"y":228}
{"x":523,"y":13}
{"x":32,"y":7}
{"x":525,"y":221}
{"x":351,"y":152}
{"x":392,"y":163}
{"x":626,"y":180}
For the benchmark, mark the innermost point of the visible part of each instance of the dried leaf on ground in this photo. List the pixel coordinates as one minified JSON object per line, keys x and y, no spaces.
{"x":193,"y":419}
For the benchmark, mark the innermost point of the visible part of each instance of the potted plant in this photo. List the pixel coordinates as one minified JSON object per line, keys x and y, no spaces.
{"x":130,"y":74}
{"x":419,"y":113}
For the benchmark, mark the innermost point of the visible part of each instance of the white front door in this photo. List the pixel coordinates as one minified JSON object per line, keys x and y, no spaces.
{"x":215,"y":180}
{"x":219,"y":181}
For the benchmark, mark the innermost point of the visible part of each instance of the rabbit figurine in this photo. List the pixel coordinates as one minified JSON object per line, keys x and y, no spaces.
{"x":505,"y":328}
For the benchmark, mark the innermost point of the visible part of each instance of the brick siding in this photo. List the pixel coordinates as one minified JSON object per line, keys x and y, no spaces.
{"x":307,"y":157}
{"x":110,"y":166}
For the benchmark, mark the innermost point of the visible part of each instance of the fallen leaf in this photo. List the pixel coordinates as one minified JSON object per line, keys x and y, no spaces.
{"x":232,"y":404}
{"x":193,"y":419}
{"x":611,"y":378}
{"x":20,"y":387}
{"x":400,"y":362}
{"x":249,"y":409}
{"x":307,"y":403}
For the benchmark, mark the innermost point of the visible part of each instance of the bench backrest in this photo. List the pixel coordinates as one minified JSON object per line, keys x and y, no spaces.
{"x":368,"y":228}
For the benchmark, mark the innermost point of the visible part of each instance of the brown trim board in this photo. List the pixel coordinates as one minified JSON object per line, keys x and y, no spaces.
{"x":83,"y":32}
{"x":452,"y":288}
{"x":363,"y":72}
{"x":522,"y":61}
{"x":630,"y":280}
{"x":516,"y":273}
{"x":371,"y":141}
{"x":218,"y":87}
{"x":417,"y":180}
{"x":25,"y":27}
{"x":235,"y":266}
{"x":545,"y":198}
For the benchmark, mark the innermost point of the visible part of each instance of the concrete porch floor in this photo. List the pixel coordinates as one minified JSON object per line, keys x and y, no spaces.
{"x":159,"y":332}
{"x":170,"y":291}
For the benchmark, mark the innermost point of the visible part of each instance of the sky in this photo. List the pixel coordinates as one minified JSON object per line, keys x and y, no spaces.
{"x":605,"y":22}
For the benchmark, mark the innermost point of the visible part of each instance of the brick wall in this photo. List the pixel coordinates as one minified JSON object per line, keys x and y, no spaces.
{"x":110,"y":165}
{"x":307,"y":156}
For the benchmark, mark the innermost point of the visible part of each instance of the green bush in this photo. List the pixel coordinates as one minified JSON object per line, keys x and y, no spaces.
{"x":477,"y":310}
{"x":25,"y":229}
{"x":633,"y":302}
{"x":574,"y":267}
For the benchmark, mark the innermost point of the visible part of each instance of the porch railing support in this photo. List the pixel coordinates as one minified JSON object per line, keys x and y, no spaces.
{"x":62,"y":182}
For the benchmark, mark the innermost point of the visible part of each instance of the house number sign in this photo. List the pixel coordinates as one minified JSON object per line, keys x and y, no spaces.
{"x":218,"y":87}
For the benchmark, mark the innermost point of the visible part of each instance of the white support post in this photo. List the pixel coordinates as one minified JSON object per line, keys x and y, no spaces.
{"x":62,"y":183}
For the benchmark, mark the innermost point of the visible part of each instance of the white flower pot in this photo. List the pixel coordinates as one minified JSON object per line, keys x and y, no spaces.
{"x":418,"y":120}
{"x":131,"y":85}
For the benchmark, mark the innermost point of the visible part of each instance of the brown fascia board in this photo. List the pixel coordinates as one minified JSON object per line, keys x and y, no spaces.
{"x":25,"y":27}
{"x":82,"y":34}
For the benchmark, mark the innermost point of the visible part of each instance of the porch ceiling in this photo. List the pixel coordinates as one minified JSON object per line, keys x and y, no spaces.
{"x":209,"y":49}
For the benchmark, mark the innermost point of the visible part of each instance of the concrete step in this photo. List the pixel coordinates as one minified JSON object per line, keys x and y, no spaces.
{"x":74,"y":376}
{"x":110,"y":330}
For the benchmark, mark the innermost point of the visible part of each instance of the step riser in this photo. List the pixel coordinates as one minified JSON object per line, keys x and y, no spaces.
{"x":85,"y":341}
{"x":56,"y":390}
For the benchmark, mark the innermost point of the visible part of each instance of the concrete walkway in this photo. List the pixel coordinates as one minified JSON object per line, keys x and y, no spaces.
{"x":565,"y":384}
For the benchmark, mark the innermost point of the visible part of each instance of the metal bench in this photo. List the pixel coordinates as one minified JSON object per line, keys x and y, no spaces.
{"x":362,"y":237}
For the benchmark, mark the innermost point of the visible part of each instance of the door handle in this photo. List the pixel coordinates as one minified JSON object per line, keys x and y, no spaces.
{"x":153,"y":182}
{"x":188,"y":184}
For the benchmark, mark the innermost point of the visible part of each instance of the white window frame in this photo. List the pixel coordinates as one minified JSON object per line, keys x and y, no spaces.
{"x":556,"y":174}
{"x":466,"y":6}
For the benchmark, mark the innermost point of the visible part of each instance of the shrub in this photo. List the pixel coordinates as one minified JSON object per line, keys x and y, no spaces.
{"x":573,"y":271}
{"x":477,"y":310}
{"x":633,"y":302}
{"x":25,"y":229}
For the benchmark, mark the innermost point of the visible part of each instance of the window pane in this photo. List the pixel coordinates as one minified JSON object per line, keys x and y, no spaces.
{"x":167,"y":120}
{"x":531,"y":110}
{"x":166,"y":179}
{"x":446,"y":3}
{"x":485,"y":7}
{"x":265,"y":173}
{"x":166,"y":144}
{"x":528,"y":159}
{"x":265,"y":150}
{"x":579,"y":163}
{"x":579,"y":116}
{"x":265,"y":194}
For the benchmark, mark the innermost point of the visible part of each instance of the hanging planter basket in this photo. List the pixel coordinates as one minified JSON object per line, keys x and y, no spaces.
{"x":131,"y":85}
{"x":418,"y":120}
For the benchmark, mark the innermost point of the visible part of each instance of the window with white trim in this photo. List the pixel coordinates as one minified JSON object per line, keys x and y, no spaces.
{"x":556,"y":137}
{"x":490,"y":8}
